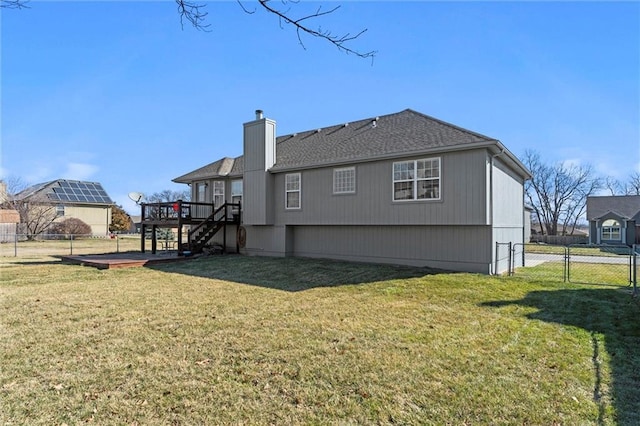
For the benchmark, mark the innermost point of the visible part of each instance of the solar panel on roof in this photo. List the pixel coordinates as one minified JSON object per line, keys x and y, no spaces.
{"x":84,"y":192}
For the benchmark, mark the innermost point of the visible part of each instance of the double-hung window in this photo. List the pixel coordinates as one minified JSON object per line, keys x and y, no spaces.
{"x":416,"y":179}
{"x":201,"y":192}
{"x":292,"y":191}
{"x":218,"y":193}
{"x":344,"y":180}
{"x":236,"y":191}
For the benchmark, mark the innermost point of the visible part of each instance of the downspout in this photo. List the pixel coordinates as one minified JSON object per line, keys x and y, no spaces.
{"x":495,"y":262}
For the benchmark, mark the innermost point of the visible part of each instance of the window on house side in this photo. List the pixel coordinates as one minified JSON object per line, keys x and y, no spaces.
{"x":236,"y":191}
{"x":218,"y":193}
{"x":344,"y":180}
{"x":201,"y":189}
{"x":416,"y":179}
{"x":292,"y":191}
{"x":60,"y":210}
{"x":611,"y":230}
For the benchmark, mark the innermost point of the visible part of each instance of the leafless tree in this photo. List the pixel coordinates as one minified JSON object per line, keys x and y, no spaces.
{"x":632,"y":187}
{"x":36,"y":215}
{"x":36,"y":211}
{"x":558,"y":193}
{"x":613,"y":186}
{"x":287,"y":11}
{"x":168,"y":195}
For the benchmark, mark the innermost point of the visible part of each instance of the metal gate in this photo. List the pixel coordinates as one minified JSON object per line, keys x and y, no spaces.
{"x":588,"y":264}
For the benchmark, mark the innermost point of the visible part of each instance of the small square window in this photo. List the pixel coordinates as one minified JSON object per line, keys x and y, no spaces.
{"x":344,"y":180}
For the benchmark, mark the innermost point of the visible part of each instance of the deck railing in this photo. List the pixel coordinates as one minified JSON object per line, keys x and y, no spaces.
{"x":174,"y":210}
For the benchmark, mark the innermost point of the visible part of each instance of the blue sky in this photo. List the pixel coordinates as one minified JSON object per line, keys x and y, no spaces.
{"x":119,"y":93}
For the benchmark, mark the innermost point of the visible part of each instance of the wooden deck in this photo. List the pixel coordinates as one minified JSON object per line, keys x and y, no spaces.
{"x":124,"y":260}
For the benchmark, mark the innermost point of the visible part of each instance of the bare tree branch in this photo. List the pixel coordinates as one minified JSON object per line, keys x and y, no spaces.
{"x":14,"y":4}
{"x":194,"y":13}
{"x":250,"y":12}
{"x":301,"y":27}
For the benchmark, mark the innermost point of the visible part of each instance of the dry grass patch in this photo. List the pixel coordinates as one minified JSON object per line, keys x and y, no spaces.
{"x":235,"y":339}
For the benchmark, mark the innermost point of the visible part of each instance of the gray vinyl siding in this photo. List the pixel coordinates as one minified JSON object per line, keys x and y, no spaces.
{"x":508,"y":196}
{"x":459,"y":248}
{"x":269,"y":240}
{"x":507,"y":213}
{"x":259,"y":155}
{"x":463,"y":201}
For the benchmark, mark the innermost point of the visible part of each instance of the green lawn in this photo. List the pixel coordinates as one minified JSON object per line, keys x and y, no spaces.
{"x":241,"y":340}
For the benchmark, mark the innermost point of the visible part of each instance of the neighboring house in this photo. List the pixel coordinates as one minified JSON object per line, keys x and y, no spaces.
{"x":9,"y":220}
{"x":614,"y":219}
{"x":402,"y":188}
{"x":135,"y":224}
{"x":86,"y":201}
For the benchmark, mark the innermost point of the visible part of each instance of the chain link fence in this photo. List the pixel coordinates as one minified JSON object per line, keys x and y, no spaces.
{"x":25,"y":245}
{"x":579,"y":263}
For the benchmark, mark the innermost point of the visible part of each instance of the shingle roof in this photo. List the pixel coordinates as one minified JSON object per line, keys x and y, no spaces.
{"x":399,"y":134}
{"x":68,"y":191}
{"x":625,"y":206}
{"x":224,"y":167}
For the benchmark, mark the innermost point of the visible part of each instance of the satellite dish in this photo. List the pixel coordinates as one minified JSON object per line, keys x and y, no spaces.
{"x":136,"y":196}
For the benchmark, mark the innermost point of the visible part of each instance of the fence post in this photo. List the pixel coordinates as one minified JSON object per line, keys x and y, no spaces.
{"x":510,"y":269}
{"x":567,"y":260}
{"x":15,"y":245}
{"x":635,"y":270}
{"x":71,"y":245}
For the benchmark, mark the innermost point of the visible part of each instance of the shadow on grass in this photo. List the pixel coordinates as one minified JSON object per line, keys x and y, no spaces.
{"x":55,"y":260}
{"x":612,"y":314}
{"x":289,"y":273}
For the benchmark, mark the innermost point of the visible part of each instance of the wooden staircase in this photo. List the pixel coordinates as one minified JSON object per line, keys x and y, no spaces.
{"x":200,"y":236}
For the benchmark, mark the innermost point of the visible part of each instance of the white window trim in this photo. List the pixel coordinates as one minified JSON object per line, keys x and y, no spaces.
{"x":287,"y":191}
{"x":415,"y":180}
{"x":344,"y":169}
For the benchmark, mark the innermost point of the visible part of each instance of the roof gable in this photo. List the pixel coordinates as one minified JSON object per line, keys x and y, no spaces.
{"x":626,"y":206}
{"x":223,"y":167}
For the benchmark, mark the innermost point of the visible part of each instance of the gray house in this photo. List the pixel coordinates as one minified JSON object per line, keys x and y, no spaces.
{"x":614,"y":219}
{"x":402,"y":188}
